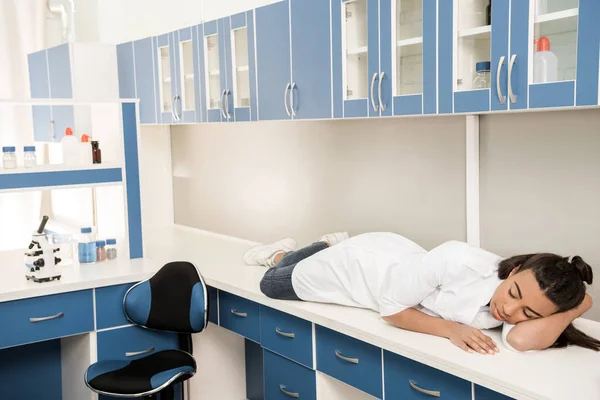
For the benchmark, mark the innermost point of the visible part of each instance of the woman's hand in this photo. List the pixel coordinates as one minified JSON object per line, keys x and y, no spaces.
{"x":471,"y":339}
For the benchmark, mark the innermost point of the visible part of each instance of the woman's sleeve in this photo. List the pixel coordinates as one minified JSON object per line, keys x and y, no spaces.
{"x":505,"y":329}
{"x":408,"y":285}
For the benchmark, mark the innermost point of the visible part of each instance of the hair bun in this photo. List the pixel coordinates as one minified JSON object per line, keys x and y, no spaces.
{"x":585,"y":271}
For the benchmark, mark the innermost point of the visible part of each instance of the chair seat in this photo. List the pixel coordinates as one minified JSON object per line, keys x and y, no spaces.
{"x":141,"y":377}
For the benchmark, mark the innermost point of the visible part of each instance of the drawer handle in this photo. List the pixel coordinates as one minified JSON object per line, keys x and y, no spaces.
{"x":431,"y":393}
{"x":239,"y":314}
{"x":291,"y":394}
{"x":57,"y":316}
{"x":138,"y":353}
{"x":341,"y":357}
{"x":289,"y":335}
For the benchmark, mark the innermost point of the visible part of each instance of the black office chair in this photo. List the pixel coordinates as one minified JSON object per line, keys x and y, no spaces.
{"x":175,"y":299}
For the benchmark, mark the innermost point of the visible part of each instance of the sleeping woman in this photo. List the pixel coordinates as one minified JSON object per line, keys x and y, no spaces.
{"x":452,"y":291}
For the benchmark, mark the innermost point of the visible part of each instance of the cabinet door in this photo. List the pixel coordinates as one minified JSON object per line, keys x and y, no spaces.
{"x":311,"y":59}
{"x":59,"y":67}
{"x":144,"y":79}
{"x":200,"y":84}
{"x":186,"y":78}
{"x":165,"y":78}
{"x":226,"y":73}
{"x":588,"y":37}
{"x":38,"y":75}
{"x":411,"y":72}
{"x":482,"y":393}
{"x":241,"y":68}
{"x":126,"y":71}
{"x":63,"y":117}
{"x":273,"y":61}
{"x":500,"y":55}
{"x":215,"y":88}
{"x":284,"y":379}
{"x":43,"y":127}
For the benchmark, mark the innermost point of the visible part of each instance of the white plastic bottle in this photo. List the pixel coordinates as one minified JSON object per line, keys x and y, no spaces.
{"x":545,"y":63}
{"x":70,"y":148}
{"x":85,"y":152}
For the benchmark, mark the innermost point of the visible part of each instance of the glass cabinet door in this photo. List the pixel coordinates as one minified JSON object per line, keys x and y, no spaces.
{"x":355,"y":50}
{"x":409,"y":47}
{"x":213,"y":71}
{"x":165,"y":77}
{"x":188,"y":98}
{"x":474,"y":44}
{"x":241,"y":75}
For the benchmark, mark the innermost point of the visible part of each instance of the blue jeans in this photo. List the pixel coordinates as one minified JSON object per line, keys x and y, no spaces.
{"x":277,"y":281}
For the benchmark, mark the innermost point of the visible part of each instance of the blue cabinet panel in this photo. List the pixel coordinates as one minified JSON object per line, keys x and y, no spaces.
{"x":500,"y":57}
{"x":213,"y":305}
{"x":38,"y":75}
{"x":548,"y":95}
{"x":73,"y":313}
{"x":238,"y":20}
{"x":404,"y":378}
{"x":350,"y":360}
{"x":63,"y":117}
{"x":255,"y":387}
{"x":336,"y":59}
{"x":429,"y":57}
{"x":43,"y":128}
{"x":109,"y":306}
{"x":133,"y":342}
{"x":285,"y":379}
{"x":31,"y":372}
{"x":157,"y":98}
{"x":59,"y":67}
{"x":239,"y":315}
{"x":472,"y":101}
{"x":482,"y":393}
{"x":373,"y":57}
{"x":385,"y":57}
{"x":144,"y":80}
{"x":252,"y":66}
{"x":519,"y":48}
{"x":286,"y":335}
{"x":311,"y":58}
{"x":408,"y":105}
{"x":126,"y":70}
{"x":226,"y":65}
{"x":241,"y":114}
{"x":588,"y":42}
{"x":273,"y":60}
{"x":445,"y":57}
{"x":199,"y":71}
{"x":176,"y":78}
{"x":356,"y":108}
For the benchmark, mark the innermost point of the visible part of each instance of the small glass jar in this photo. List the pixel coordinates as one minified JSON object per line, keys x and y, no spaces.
{"x":30,"y":159}
{"x":100,"y":250}
{"x":9,"y":157}
{"x":483,"y":78}
{"x":111,"y":249}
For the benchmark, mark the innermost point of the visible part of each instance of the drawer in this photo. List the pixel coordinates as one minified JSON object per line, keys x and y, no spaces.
{"x":47,"y":317}
{"x":349,"y":360}
{"x":482,"y":393}
{"x":133,"y":342}
{"x":213,"y":305}
{"x":410,"y":380}
{"x":286,"y":335}
{"x":239,"y":315}
{"x":284,"y":379}
{"x":109,"y":306}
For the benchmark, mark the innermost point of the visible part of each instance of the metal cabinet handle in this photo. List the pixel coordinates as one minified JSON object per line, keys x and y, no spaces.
{"x":223,"y":104}
{"x":291,"y":394}
{"x":292,"y":99}
{"x":501,"y":97}
{"x":381,"y":105}
{"x":285,"y":101}
{"x":511,"y":64}
{"x":41,"y":319}
{"x":179,"y":107}
{"x":289,"y":335}
{"x":375,"y":108}
{"x":239,"y":314}
{"x":431,"y":393}
{"x":173,"y":108}
{"x":52,"y":135}
{"x":138,"y":353}
{"x":341,"y":357}
{"x":227,"y":103}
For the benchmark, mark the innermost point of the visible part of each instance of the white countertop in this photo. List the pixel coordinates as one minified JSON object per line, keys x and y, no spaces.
{"x":568,"y":374}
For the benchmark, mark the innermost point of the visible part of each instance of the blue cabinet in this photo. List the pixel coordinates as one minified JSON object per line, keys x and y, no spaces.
{"x":215,"y":71}
{"x":126,"y":70}
{"x":143,"y":55}
{"x":410,"y":380}
{"x":287,"y":335}
{"x":109,"y":306}
{"x":284,"y":379}
{"x":239,"y":315}
{"x":482,"y":393}
{"x":133,"y":342}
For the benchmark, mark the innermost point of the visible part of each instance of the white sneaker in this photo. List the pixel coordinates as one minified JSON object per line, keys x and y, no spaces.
{"x":264,"y":254}
{"x":334,"y":238}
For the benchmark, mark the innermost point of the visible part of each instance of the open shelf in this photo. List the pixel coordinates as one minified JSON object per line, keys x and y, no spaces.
{"x":409,"y":42}
{"x":555,"y":16}
{"x":358,"y":51}
{"x":481,"y":32}
{"x":242,"y":68}
{"x":189,"y":76}
{"x":557,"y":22}
{"x":214,"y":72}
{"x":59,"y":176}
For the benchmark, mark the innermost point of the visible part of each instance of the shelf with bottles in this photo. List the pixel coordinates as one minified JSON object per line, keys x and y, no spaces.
{"x":555,"y":41}
{"x":474,"y":40}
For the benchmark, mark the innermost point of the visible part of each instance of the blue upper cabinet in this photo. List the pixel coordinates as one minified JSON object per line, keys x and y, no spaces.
{"x":214,"y":71}
{"x":143,"y":54}
{"x":126,"y":70}
{"x":167,"y":80}
{"x":59,"y":69}
{"x":187,"y":101}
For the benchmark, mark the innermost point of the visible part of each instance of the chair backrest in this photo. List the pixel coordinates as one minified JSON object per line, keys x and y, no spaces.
{"x":175,"y":299}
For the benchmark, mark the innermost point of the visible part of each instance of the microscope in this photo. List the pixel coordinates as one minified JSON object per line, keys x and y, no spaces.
{"x":39,"y":258}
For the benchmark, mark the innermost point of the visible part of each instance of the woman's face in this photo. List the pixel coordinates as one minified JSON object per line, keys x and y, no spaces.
{"x":519,"y":298}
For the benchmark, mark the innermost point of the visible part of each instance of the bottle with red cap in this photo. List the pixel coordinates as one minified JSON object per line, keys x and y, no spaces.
{"x":85,"y":152}
{"x":70,"y":148}
{"x":545,"y":62}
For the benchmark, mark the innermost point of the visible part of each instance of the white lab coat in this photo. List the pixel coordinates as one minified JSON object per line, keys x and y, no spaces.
{"x":388,"y":273}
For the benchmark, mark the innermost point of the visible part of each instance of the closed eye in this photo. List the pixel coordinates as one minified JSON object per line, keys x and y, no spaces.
{"x":511,"y":293}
